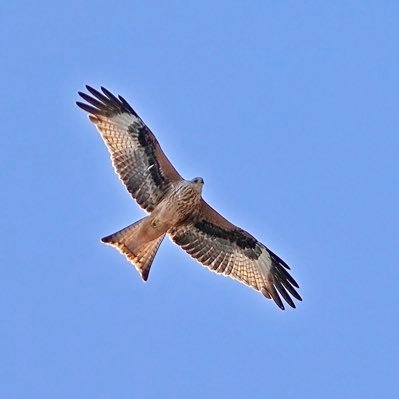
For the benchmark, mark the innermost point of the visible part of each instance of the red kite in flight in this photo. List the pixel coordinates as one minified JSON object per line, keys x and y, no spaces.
{"x":175,"y":207}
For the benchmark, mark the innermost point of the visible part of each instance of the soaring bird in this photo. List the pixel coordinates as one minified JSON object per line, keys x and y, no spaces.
{"x":175,"y":207}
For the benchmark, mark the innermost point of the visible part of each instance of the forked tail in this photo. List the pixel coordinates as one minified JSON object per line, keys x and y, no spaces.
{"x":129,"y":242}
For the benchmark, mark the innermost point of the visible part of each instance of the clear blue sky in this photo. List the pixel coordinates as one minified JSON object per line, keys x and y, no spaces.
{"x":289,"y":111}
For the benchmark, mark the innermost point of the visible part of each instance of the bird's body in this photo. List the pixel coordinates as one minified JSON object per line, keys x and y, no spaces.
{"x":181,"y":203}
{"x":176,"y":207}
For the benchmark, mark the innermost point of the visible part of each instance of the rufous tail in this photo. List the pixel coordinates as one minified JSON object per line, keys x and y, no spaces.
{"x":129,"y":242}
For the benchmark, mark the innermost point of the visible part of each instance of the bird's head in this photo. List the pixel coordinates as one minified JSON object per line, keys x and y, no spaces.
{"x":198,"y":182}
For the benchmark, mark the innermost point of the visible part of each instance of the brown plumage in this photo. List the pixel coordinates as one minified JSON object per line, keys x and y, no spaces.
{"x":176,"y":207}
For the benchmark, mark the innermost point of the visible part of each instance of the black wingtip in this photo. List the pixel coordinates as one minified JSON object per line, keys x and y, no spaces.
{"x":127,"y":106}
{"x":107,"y":239}
{"x":105,"y":103}
{"x":282,"y":291}
{"x":88,"y":108}
{"x":81,"y":105}
{"x":108,"y":93}
{"x":275,"y":296}
{"x":97,"y":94}
{"x":145,"y":274}
{"x":298,"y":297}
{"x":277,"y":259}
{"x":293,"y":282}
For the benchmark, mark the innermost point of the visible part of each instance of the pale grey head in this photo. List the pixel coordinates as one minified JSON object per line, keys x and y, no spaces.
{"x":197,"y":182}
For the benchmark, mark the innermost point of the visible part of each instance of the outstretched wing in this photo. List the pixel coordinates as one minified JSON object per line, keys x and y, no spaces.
{"x":135,"y":152}
{"x":229,"y":250}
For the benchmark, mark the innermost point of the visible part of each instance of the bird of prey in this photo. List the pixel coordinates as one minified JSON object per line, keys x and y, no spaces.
{"x":175,"y":207}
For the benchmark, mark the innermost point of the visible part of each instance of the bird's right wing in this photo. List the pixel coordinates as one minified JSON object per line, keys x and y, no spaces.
{"x":225,"y":248}
{"x":136,"y":154}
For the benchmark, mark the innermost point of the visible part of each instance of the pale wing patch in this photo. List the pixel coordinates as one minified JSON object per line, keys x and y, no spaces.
{"x":136,"y":155}
{"x":256,"y":269}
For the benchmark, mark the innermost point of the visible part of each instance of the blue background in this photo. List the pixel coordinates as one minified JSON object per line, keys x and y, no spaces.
{"x":289,"y":111}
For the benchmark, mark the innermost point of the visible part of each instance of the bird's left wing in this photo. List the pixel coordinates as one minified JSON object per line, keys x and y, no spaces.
{"x":136,"y":154}
{"x":225,"y":248}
